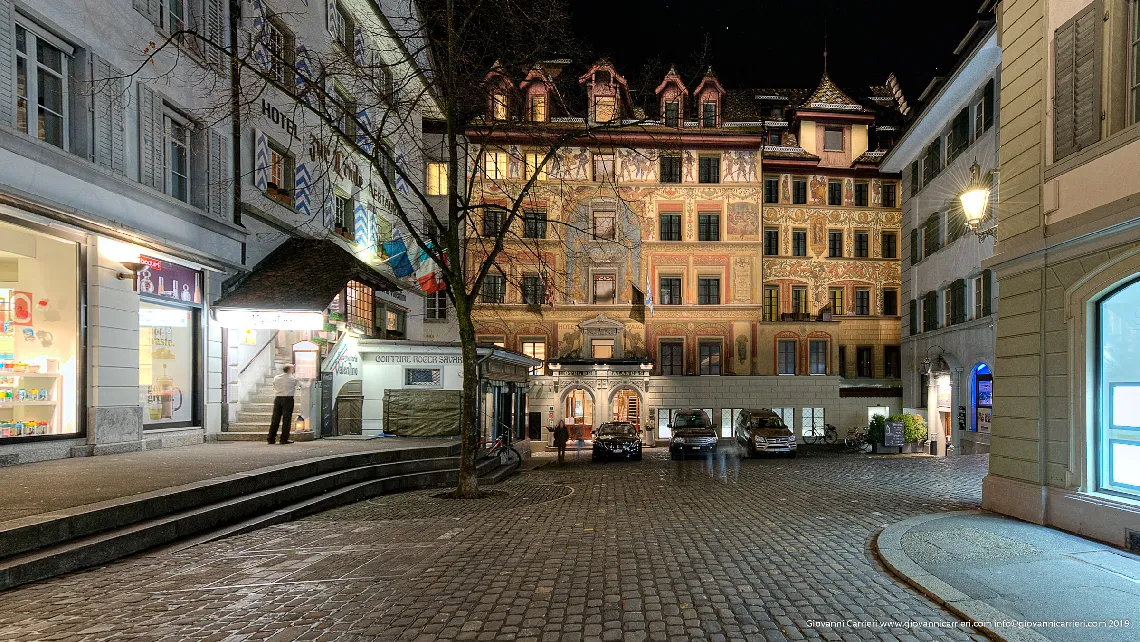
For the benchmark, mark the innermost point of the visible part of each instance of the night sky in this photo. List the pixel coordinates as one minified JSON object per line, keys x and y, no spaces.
{"x":779,"y":43}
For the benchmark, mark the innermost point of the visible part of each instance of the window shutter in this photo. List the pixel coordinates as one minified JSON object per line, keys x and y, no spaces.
{"x":914,"y":257}
{"x":915,"y":185}
{"x":913,"y":317}
{"x":958,"y":302}
{"x":107,"y":105}
{"x":216,"y":33}
{"x":302,"y":190}
{"x":987,"y":292}
{"x":152,"y":9}
{"x":1076,"y":82}
{"x":988,"y":106}
{"x":359,"y":55}
{"x":219,"y":179}
{"x":332,"y":18}
{"x":260,"y":160}
{"x":151,"y":139}
{"x":7,"y":68}
{"x":328,"y":205}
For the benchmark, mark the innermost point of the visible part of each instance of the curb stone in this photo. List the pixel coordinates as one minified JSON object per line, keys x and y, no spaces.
{"x":888,"y":549}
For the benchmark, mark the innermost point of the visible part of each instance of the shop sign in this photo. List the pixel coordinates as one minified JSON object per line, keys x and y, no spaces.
{"x":444,"y":359}
{"x":894,"y":434}
{"x":170,"y":280}
{"x":269,"y":320}
{"x":279,"y":119}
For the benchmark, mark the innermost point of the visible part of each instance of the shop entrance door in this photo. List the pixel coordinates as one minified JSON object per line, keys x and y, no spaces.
{"x":627,"y":407}
{"x":578,"y":409}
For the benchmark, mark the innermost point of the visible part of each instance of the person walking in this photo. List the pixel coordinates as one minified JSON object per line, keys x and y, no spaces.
{"x":561,"y":436}
{"x":284,"y":387}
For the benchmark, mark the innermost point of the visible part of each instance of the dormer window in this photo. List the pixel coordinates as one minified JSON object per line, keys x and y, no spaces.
{"x":499,"y":106}
{"x":832,"y":140}
{"x":605,"y":108}
{"x":538,"y":108}
{"x":602,"y":77}
{"x":708,"y":114}
{"x":673,"y":113}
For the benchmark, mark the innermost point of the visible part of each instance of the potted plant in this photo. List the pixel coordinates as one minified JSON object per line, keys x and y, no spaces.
{"x":914,"y":432}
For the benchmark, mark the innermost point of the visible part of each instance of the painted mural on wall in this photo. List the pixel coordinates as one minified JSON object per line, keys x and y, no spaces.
{"x":637,"y":165}
{"x":743,"y":220}
{"x":742,"y":279}
{"x":817,"y":190}
{"x":848,"y":191}
{"x":585,"y":253}
{"x":571,"y":164}
{"x":739,"y":167}
{"x":786,"y":188}
{"x":876,"y":192}
{"x":689,"y":165}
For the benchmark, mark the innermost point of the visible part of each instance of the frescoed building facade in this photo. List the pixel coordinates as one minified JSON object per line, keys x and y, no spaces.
{"x":736,"y":249}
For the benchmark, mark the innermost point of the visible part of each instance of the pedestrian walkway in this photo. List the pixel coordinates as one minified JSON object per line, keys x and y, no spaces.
{"x":48,"y":486}
{"x":1023,"y":582}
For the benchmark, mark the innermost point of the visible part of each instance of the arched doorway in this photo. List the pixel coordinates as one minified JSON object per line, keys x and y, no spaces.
{"x":625,"y":405}
{"x":578,"y":411}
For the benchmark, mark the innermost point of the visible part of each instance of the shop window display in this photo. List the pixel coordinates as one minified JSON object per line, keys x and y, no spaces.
{"x":1119,"y":392}
{"x":166,"y":364}
{"x":39,"y":334}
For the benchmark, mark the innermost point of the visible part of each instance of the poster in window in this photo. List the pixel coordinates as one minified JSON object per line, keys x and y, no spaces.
{"x":985,"y":415}
{"x":166,"y":363}
{"x":985,"y":393}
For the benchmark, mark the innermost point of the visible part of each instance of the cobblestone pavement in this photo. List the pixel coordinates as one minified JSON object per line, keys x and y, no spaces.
{"x":716,"y":549}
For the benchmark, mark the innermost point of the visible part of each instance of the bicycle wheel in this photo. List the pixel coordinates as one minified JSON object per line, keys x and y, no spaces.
{"x":830,"y":435}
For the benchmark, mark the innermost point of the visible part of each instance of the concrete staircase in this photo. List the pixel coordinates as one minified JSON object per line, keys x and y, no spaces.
{"x":43,"y":546}
{"x":256,"y":413}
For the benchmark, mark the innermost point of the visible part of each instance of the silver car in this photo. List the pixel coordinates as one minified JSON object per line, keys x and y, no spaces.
{"x":763,"y":431}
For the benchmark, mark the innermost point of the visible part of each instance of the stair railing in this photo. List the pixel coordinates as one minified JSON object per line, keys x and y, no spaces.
{"x":254,"y":358}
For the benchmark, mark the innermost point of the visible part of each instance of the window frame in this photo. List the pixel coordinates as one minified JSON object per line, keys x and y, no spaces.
{"x":800,"y":303}
{"x":705,"y":348}
{"x":492,"y":222}
{"x":674,"y":119}
{"x":706,"y":113}
{"x":799,"y":242}
{"x":833,"y":130}
{"x":886,"y":310}
{"x":863,"y":195}
{"x":669,"y":226}
{"x":835,"y":192}
{"x":785,"y":359}
{"x":435,"y":306}
{"x":533,"y":343}
{"x":436,"y":174}
{"x":772,"y":241}
{"x":862,"y":307}
{"x":889,"y":187}
{"x":674,"y":365}
{"x":32,"y":65}
{"x":601,"y":277}
{"x":670,"y":169}
{"x":534,"y":224}
{"x":538,"y":108}
{"x":171,"y":120}
{"x":600,"y":216}
{"x":835,"y":296}
{"x":771,"y":189}
{"x":817,"y":367}
{"x":494,"y":289}
{"x":893,"y":245}
{"x":708,"y":290}
{"x":862,"y":244}
{"x":771,"y":303}
{"x":799,"y":190}
{"x":670,"y":289}
{"x":708,"y":169}
{"x":604,"y":167}
{"x":607,"y":101}
{"x":280,"y":161}
{"x":834,"y":248}
{"x":706,"y":229}
{"x":533,"y":290}
{"x":892,"y":362}
{"x":869,"y":361}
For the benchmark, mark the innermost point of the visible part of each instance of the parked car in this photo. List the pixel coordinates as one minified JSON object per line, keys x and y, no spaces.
{"x":617,"y":439}
{"x":693,"y":432}
{"x":763,"y":431}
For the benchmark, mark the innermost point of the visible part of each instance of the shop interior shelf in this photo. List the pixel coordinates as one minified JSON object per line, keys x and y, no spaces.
{"x":13,"y":404}
{"x":38,"y":375}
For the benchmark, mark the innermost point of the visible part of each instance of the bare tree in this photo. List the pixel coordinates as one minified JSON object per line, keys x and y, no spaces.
{"x":364,"y":106}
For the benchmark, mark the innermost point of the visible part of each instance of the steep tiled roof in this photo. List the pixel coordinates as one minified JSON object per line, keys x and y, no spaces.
{"x":789,"y":152}
{"x":829,"y":97}
{"x":870,"y":158}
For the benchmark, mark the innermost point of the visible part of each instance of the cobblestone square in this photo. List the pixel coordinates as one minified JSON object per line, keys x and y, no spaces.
{"x":716,"y":549}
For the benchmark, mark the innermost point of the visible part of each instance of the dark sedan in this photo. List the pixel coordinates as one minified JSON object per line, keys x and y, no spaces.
{"x":693,"y":432}
{"x":617,"y":439}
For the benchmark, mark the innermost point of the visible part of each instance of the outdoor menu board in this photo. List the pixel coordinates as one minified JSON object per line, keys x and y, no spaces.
{"x":893,"y":436}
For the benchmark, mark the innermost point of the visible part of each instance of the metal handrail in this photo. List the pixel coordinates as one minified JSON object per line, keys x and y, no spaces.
{"x":267,"y":344}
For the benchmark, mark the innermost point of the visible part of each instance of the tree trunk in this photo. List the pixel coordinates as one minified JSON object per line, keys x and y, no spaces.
{"x":468,"y":486}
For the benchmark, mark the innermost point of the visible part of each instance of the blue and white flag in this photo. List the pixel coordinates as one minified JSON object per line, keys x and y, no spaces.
{"x":648,"y":294}
{"x":398,"y":258}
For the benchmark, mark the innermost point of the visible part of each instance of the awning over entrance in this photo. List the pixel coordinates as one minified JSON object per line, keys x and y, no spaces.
{"x":302,"y":275}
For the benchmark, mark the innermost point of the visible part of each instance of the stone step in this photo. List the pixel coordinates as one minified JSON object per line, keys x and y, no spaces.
{"x":260,"y":435}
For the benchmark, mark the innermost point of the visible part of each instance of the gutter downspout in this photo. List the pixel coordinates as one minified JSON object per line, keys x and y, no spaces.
{"x":235,"y":111}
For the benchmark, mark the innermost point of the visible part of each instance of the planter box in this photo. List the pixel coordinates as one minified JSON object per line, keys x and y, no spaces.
{"x":880,"y":449}
{"x":913,"y":447}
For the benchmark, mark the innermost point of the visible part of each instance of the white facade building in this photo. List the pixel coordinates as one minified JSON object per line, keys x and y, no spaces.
{"x":948,"y":328}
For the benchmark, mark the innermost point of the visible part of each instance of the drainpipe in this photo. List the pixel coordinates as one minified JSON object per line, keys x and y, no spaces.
{"x":235,"y":108}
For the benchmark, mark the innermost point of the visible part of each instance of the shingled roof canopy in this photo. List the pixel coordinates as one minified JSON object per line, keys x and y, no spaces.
{"x":301,"y":275}
{"x":829,"y":97}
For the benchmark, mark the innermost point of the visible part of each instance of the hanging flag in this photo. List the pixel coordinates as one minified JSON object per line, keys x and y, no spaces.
{"x":398,"y":257}
{"x":648,"y":294}
{"x":427,"y":274}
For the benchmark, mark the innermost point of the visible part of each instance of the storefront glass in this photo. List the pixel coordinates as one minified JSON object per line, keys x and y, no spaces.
{"x":167,"y":350}
{"x":1118,"y":384}
{"x":39,"y":334}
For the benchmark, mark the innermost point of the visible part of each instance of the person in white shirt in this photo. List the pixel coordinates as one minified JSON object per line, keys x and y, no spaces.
{"x":284,"y":387}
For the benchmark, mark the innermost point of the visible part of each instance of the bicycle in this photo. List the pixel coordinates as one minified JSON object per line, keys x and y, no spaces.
{"x":829,"y":435}
{"x":504,"y":450}
{"x":856,"y":438}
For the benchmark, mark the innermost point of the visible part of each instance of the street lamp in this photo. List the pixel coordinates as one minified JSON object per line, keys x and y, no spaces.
{"x":974,"y":202}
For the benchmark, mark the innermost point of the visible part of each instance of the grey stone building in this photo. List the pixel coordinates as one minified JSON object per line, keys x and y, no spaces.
{"x":948,"y":317}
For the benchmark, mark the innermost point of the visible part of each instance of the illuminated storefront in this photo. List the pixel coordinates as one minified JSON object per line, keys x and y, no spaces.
{"x":170,"y":299}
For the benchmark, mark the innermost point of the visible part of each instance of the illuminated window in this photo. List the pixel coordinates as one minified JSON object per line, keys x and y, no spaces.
{"x":499,"y":107}
{"x":537,"y":350}
{"x":532,"y":163}
{"x":538,"y":109}
{"x":495,"y":165}
{"x":358,"y":306}
{"x":605,"y":109}
{"x":602,"y":349}
{"x":437,"y":179}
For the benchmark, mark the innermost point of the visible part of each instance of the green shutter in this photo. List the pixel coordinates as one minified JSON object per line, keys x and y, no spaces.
{"x":987,"y":292}
{"x":1076,"y":82}
{"x":914,"y":257}
{"x":988,"y":106}
{"x":915,"y":185}
{"x":958,"y":301}
{"x":913,"y":317}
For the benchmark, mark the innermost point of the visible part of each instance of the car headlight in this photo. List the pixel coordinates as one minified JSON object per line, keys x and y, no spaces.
{"x":759,"y":439}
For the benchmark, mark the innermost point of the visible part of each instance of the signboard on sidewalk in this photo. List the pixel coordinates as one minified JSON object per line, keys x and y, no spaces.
{"x":894,"y":435}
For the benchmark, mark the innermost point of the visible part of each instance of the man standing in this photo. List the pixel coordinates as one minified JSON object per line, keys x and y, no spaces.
{"x":561,"y":436}
{"x":284,"y":387}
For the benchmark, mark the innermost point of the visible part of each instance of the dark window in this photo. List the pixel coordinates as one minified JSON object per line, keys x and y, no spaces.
{"x":533,"y":290}
{"x":710,"y":358}
{"x":862,"y":191}
{"x":799,"y":191}
{"x":832,"y":140}
{"x":345,"y":215}
{"x":534,"y":225}
{"x":709,"y":169}
{"x":931,"y":241}
{"x":787,"y":357}
{"x":890,"y":194}
{"x":835,"y":192}
{"x":708,"y":227}
{"x":673,"y":114}
{"x":892,"y":361}
{"x":890,"y":243}
{"x":494,"y":288}
{"x":862,"y":245}
{"x":842,"y":361}
{"x":492,"y":222}
{"x":862,"y":301}
{"x":957,"y":293}
{"x":799,"y":300}
{"x":799,"y":242}
{"x":708,"y":114}
{"x":958,"y":138}
{"x":772,"y":242}
{"x":435,"y":305}
{"x":670,"y":227}
{"x":817,"y":357}
{"x":863,"y":366}
{"x":890,"y":303}
{"x":771,"y":303}
{"x":835,"y":243}
{"x":670,"y":290}
{"x":988,"y":103}
{"x":708,"y":291}
{"x":771,"y":190}
{"x":672,"y":358}
{"x":604,"y":288}
{"x":670,"y":169}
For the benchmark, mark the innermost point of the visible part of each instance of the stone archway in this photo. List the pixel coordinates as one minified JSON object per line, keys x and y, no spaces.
{"x":577,"y":409}
{"x":626,"y":404}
